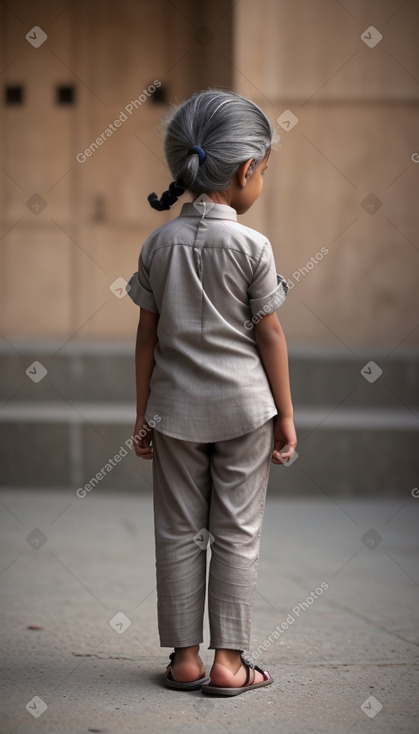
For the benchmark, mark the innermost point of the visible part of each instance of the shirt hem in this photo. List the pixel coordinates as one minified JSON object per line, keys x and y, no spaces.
{"x":219,"y":436}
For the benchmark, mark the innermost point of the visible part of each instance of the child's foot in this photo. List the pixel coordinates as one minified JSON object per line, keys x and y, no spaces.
{"x":231,"y":676}
{"x":187,"y":667}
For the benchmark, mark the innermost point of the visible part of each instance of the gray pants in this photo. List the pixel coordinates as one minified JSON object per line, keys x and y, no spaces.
{"x":209,"y":494}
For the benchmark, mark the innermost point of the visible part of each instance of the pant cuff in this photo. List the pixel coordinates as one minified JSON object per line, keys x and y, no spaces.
{"x":228,"y":645}
{"x":181,"y":643}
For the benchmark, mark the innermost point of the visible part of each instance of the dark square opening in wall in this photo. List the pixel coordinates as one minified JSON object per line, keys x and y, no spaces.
{"x":13,"y":94}
{"x":65,"y":94}
{"x":159,"y":96}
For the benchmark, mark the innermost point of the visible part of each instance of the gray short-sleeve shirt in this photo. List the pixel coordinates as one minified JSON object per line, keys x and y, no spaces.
{"x":210,"y":279}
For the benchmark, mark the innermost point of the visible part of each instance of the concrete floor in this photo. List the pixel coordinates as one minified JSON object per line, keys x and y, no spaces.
{"x":344,"y":655}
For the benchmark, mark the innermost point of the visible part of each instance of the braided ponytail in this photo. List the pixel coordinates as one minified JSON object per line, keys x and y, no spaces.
{"x":187,"y":176}
{"x":230,"y":129}
{"x":167,"y":199}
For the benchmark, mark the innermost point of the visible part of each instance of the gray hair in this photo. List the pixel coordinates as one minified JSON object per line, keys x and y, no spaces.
{"x":228,"y":127}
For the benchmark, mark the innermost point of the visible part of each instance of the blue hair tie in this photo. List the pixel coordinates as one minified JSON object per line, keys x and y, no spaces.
{"x":199,"y":151}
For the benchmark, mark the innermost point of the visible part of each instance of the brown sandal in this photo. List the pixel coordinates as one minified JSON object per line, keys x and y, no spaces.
{"x":248,"y":685}
{"x":170,"y":682}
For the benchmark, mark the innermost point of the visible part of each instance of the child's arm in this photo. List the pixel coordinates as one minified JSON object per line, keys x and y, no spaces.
{"x":273,"y":350}
{"x":144,"y":365}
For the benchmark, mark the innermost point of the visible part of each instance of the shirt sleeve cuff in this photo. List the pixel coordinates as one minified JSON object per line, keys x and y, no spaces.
{"x":270,"y":303}
{"x":140,"y":295}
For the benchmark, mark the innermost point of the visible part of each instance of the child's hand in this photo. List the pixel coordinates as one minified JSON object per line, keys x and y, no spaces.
{"x":143,"y":437}
{"x":285,"y":440}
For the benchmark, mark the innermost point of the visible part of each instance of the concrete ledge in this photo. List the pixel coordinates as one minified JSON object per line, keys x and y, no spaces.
{"x":102,"y":372}
{"x":324,"y":417}
{"x":332,"y":461}
{"x":355,"y":436}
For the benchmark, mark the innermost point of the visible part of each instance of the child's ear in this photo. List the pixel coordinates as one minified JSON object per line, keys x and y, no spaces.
{"x":242,"y":173}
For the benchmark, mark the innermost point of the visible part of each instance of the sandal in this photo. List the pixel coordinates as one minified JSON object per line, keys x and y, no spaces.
{"x":248,"y":684}
{"x":180,"y":685}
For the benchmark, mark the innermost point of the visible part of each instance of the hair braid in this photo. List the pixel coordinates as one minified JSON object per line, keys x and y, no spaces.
{"x":207,"y":138}
{"x":168,"y":198}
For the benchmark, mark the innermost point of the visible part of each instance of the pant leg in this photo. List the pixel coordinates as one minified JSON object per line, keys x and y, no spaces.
{"x":240,"y":473}
{"x":181,"y":495}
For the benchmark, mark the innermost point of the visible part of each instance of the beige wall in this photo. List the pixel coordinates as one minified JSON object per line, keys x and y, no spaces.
{"x":358,"y":127}
{"x":358,"y":119}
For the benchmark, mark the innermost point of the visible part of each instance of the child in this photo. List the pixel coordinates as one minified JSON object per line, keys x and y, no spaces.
{"x":211,"y":375}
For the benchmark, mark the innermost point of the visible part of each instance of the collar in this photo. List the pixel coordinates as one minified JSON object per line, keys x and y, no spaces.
{"x":203,"y":206}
